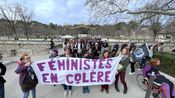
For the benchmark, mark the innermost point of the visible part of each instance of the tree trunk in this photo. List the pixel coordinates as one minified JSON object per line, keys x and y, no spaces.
{"x":14,"y":30}
{"x":26,"y":29}
{"x":27,"y":33}
{"x":154,"y":35}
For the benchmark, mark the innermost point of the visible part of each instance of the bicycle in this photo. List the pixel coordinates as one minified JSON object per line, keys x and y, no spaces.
{"x":141,"y":63}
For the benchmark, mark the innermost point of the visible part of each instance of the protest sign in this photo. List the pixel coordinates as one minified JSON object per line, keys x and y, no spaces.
{"x":76,"y":71}
{"x":140,"y":52}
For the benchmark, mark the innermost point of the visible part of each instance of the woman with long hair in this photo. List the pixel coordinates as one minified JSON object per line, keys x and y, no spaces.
{"x":166,"y":85}
{"x":122,"y":72}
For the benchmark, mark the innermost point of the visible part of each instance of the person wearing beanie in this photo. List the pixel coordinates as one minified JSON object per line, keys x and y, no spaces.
{"x":54,"y":53}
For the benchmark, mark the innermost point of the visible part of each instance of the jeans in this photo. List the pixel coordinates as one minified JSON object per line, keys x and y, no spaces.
{"x":85,"y":89}
{"x":2,"y":91}
{"x":26,"y":94}
{"x":67,"y":87}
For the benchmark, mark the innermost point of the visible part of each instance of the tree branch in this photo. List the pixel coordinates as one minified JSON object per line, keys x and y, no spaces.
{"x":153,"y":11}
{"x":166,"y":4}
{"x":145,"y":18}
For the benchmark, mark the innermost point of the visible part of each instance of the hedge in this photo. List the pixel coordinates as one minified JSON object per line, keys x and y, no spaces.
{"x":167,"y":62}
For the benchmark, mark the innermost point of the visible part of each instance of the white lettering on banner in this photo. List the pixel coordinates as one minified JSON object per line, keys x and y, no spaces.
{"x":139,"y":53}
{"x":76,"y":71}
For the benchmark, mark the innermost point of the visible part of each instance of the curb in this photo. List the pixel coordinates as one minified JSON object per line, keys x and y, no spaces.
{"x":168,"y":76}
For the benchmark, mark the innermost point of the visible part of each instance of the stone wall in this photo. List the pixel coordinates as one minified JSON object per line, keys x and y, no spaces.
{"x":33,"y":47}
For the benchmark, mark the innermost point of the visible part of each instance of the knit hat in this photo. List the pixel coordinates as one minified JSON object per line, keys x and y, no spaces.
{"x":55,"y":50}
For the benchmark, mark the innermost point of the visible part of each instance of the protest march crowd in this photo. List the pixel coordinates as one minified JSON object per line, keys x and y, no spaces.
{"x":94,"y":49}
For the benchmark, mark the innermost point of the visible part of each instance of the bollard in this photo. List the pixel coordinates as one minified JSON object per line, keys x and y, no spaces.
{"x":149,"y":88}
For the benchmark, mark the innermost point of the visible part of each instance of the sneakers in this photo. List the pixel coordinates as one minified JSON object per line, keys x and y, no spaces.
{"x":131,"y":73}
{"x":139,"y":69}
{"x":65,"y":93}
{"x":69,"y":93}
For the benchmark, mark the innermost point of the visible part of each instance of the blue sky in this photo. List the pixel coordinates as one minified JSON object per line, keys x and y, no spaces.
{"x":58,"y":11}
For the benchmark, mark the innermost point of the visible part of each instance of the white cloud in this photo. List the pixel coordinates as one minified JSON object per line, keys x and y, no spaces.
{"x":57,"y":11}
{"x":44,"y":8}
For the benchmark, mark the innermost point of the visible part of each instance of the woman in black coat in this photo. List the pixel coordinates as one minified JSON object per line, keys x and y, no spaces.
{"x":2,"y":80}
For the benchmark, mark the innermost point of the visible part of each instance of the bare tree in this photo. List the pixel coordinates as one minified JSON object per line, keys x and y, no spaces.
{"x":9,"y":13}
{"x":26,"y":17}
{"x":156,"y":21}
{"x":109,"y":9}
{"x":154,"y":12}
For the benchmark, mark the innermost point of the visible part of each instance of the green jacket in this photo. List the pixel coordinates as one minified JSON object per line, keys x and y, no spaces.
{"x":125,"y":62}
{"x":64,"y":55}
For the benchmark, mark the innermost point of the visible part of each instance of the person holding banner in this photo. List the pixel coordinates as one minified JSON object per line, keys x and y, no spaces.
{"x":122,"y":71}
{"x":86,"y":55}
{"x":105,"y":56}
{"x":67,"y":89}
{"x":54,"y":54}
{"x":22,"y":58}
{"x":27,"y":78}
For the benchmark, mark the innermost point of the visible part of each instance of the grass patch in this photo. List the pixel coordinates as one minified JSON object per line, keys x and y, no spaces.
{"x":167,"y":62}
